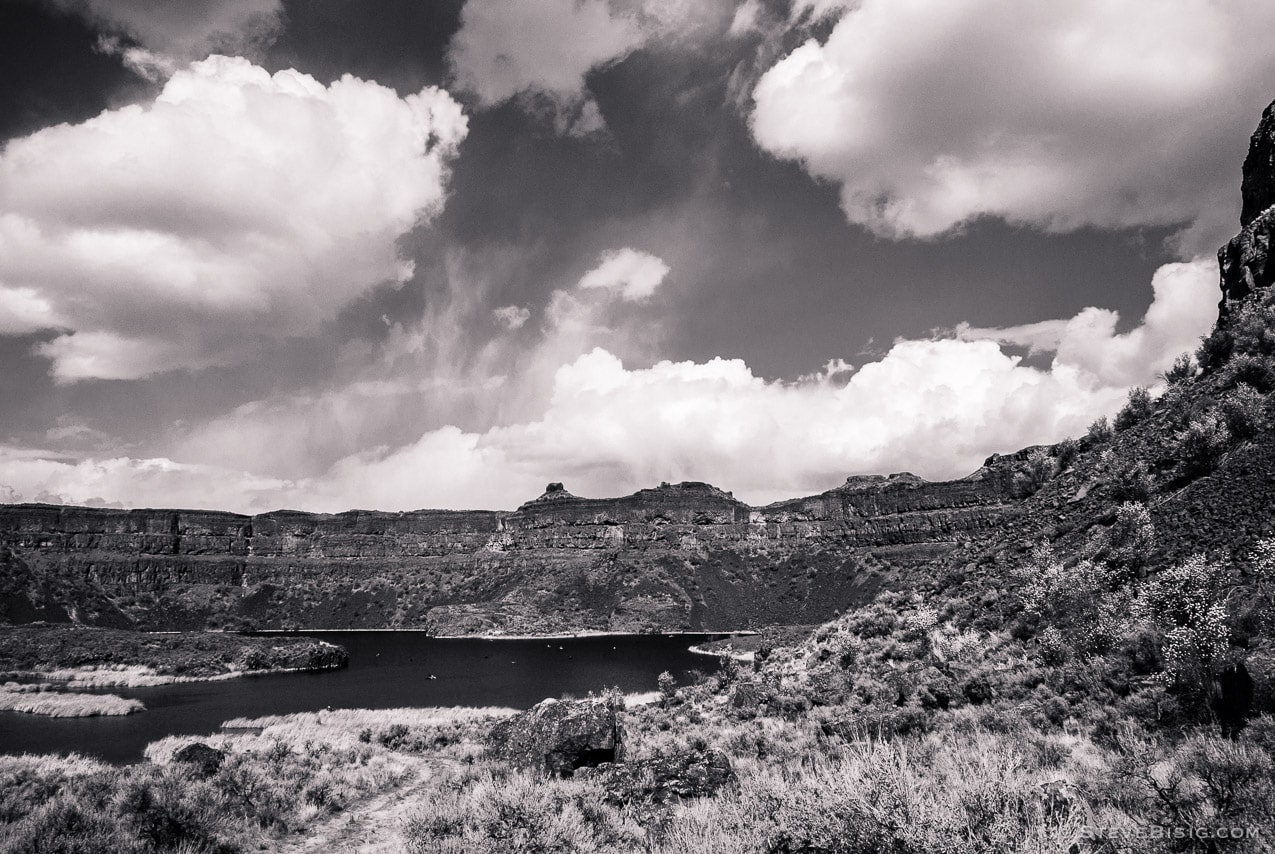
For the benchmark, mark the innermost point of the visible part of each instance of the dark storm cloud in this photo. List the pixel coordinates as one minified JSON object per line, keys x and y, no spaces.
{"x":51,"y":71}
{"x":397,"y":44}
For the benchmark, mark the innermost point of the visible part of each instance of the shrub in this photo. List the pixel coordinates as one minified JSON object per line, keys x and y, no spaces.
{"x":1185,"y":604}
{"x":1250,"y":369}
{"x":1035,"y":472}
{"x":1183,"y":369}
{"x":667,"y":685}
{"x":1204,"y":781}
{"x":1065,"y":452}
{"x":1132,"y":483}
{"x":1215,"y":348}
{"x":519,"y":814}
{"x":1244,"y":411}
{"x":1125,"y":545}
{"x":1100,"y":430}
{"x":1248,"y":330}
{"x":1077,"y":601}
{"x":1202,"y":443}
{"x":1137,"y":408}
{"x":1252,"y":327}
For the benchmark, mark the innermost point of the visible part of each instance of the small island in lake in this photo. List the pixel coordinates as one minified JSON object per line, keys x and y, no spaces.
{"x":84,"y":657}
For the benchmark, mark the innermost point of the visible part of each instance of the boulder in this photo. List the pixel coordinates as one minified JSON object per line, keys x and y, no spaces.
{"x":664,"y":779}
{"x":203,"y":759}
{"x":746,"y":697}
{"x":559,"y":737}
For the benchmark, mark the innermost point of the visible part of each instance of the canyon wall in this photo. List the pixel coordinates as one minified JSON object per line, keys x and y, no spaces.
{"x":678,"y":556}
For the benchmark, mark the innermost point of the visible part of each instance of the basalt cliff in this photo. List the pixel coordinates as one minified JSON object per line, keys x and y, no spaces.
{"x":678,"y":556}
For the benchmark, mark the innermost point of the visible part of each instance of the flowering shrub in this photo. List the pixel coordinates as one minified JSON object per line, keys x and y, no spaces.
{"x":1186,"y":605}
{"x":1078,"y":602}
{"x":1201,"y":445}
{"x":1124,"y":546}
{"x":922,"y":620}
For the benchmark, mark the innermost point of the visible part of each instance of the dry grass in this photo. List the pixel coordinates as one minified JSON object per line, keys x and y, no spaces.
{"x":130,"y":675}
{"x":41,"y":700}
{"x":44,"y":765}
{"x":353,"y":720}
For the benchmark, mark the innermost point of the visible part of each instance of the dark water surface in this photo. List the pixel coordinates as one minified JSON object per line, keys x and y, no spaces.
{"x":387,"y":669}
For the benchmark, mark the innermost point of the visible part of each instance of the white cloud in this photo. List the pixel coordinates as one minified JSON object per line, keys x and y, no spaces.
{"x":30,"y":476}
{"x":1185,"y":300}
{"x":23,"y":310}
{"x":546,"y":46}
{"x":1059,"y":115}
{"x":237,"y":207}
{"x":936,"y":407}
{"x":185,"y":30}
{"x":512,"y":316}
{"x":633,"y":273}
{"x":746,"y":18}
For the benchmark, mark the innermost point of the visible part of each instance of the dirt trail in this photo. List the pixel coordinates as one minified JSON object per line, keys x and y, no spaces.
{"x":369,"y":826}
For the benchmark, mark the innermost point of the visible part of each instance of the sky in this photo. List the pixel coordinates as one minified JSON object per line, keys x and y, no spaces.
{"x":328,"y":254}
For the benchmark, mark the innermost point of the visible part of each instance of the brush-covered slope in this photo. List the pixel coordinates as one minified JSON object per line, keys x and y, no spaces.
{"x":1135,"y":585}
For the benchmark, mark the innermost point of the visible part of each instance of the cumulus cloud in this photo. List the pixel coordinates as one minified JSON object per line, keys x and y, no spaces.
{"x":28,"y":475}
{"x":540,"y":52}
{"x":512,"y":316}
{"x":1057,"y":115}
{"x":1089,"y":340}
{"x":237,"y":207}
{"x":634,"y":274}
{"x":937,"y":407}
{"x":185,"y":31}
{"x":544,"y":47}
{"x":746,"y":18}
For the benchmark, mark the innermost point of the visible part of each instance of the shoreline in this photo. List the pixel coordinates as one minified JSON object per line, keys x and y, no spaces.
{"x":742,"y":657}
{"x":87,"y":678}
{"x":586,"y":633}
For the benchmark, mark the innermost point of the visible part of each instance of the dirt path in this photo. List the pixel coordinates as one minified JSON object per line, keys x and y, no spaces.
{"x":370,"y":826}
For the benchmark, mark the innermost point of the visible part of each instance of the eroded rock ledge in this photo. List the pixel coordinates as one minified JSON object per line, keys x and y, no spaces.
{"x":677,"y":556}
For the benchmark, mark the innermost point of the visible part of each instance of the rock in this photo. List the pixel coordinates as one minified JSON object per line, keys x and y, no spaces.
{"x":558,"y":737}
{"x":203,"y":759}
{"x":1245,"y":262}
{"x":745,"y":697}
{"x":1258,"y":184}
{"x":664,"y":779}
{"x":1233,"y":699}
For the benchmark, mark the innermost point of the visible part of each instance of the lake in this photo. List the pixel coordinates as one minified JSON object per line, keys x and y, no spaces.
{"x":387,"y":669}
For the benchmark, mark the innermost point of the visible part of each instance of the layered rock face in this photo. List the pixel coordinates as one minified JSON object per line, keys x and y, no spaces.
{"x":678,"y":556}
{"x":1245,"y":261}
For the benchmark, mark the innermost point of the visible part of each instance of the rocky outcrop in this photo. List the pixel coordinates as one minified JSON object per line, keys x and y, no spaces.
{"x":560,"y":736}
{"x":1257,"y":187}
{"x":1245,"y":263}
{"x":205,"y":761}
{"x":663,"y":780}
